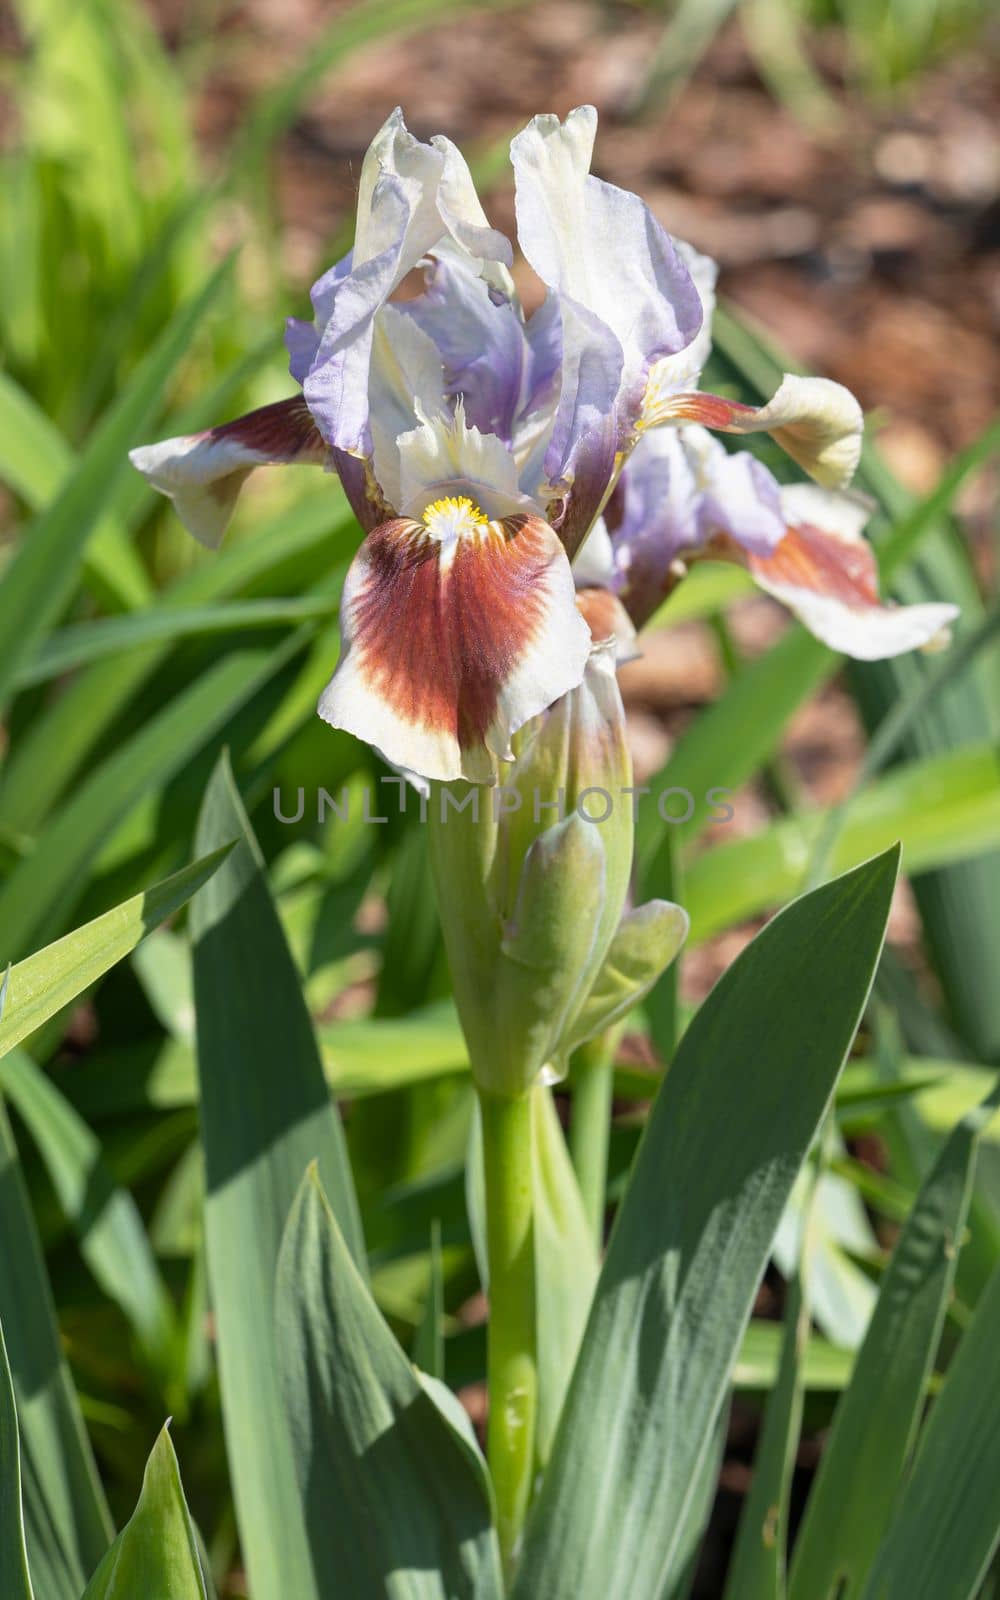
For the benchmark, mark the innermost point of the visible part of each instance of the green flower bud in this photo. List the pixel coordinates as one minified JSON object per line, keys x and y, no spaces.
{"x":532,"y":878}
{"x":644,"y":945}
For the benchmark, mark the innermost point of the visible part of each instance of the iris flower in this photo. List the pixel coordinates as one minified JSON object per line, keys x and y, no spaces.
{"x":479,"y":448}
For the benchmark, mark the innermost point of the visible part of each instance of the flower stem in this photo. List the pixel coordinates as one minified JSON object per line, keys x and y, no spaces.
{"x":511,"y":1365}
{"x":590,"y":1126}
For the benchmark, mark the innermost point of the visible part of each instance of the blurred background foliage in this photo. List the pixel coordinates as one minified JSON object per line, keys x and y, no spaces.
{"x":172,"y":177}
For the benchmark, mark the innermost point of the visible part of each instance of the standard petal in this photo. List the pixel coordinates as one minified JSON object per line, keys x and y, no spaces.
{"x":410,"y":196}
{"x":619,"y":293}
{"x":450,"y":646}
{"x":203,"y":473}
{"x":673,"y":374}
{"x":827,"y":575}
{"x":406,"y":383}
{"x":600,"y":246}
{"x":819,"y":423}
{"x":480,"y":341}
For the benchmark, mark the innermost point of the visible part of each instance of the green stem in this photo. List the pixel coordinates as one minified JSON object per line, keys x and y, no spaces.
{"x":511,"y":1364}
{"x":590,"y":1126}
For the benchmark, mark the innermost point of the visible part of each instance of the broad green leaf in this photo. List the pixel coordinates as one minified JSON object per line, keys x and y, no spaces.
{"x":266,"y":1113}
{"x":106,"y":1219}
{"x":40,"y":986}
{"x":39,"y":580}
{"x":566,"y":1266}
{"x":703,"y":1493}
{"x":866,"y":1452}
{"x":66,"y":1520}
{"x":156,"y":1553}
{"x":946,"y":1523}
{"x":393,"y":1504}
{"x":757,"y":1566}
{"x":13,"y":1550}
{"x":945,"y":809}
{"x":729,"y":1130}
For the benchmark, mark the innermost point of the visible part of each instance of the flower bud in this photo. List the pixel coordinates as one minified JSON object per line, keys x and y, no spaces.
{"x":532,"y":879}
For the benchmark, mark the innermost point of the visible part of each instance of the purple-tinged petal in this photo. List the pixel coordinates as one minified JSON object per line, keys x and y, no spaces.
{"x":652,"y":517}
{"x":672,"y":374}
{"x":601,"y":247}
{"x":737,"y":496}
{"x":589,"y":470}
{"x":481,"y":342}
{"x":363,"y":493}
{"x":203,"y":473}
{"x":455,"y":634}
{"x":680,"y":491}
{"x":406,"y":384}
{"x":302,"y":343}
{"x":410,"y":196}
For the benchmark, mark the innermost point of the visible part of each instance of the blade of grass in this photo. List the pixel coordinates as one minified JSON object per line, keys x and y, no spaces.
{"x":36,"y":461}
{"x":113,"y":1240}
{"x":43,"y":984}
{"x":875,"y":1423}
{"x":13,"y":1549}
{"x":46,"y":885}
{"x":945,"y":809}
{"x":40,"y":579}
{"x":757,"y":1566}
{"x":70,"y":648}
{"x":67,"y":1524}
{"x":947,"y":1520}
{"x":51,"y":752}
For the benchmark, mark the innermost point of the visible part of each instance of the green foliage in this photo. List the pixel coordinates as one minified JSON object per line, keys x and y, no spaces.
{"x":156,"y":1552}
{"x":13,"y":1550}
{"x":393,"y":1488}
{"x":732,"y":1124}
{"x":265,"y":1114}
{"x":156,"y":1159}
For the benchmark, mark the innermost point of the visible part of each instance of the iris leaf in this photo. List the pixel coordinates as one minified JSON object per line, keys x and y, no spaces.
{"x":731,"y":1125}
{"x":266,"y":1113}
